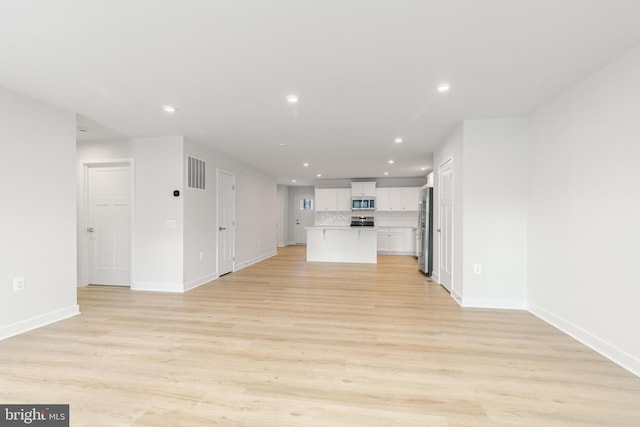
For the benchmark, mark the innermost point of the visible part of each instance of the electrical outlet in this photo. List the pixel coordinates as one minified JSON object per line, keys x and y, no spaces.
{"x":477,"y":268}
{"x":18,"y":284}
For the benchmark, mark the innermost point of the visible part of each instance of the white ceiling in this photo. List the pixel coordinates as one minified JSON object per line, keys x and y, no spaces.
{"x":365,"y":71}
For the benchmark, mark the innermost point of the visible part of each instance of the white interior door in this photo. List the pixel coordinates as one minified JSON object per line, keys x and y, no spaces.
{"x":304,"y":216}
{"x":108,"y":225}
{"x":445,"y":228}
{"x":226,"y":222}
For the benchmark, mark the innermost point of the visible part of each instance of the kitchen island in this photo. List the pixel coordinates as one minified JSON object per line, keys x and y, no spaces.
{"x":342,"y":244}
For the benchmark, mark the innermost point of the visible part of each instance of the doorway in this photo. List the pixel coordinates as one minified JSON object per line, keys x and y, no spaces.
{"x":303,"y":217}
{"x":226,"y":221}
{"x":445,"y":226}
{"x":106,"y":226}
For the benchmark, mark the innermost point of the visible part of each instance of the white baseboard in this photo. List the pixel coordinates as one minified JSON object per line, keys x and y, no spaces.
{"x":255,"y":260}
{"x":199,"y":282}
{"x":504,"y":304}
{"x":157,"y":287}
{"x":611,"y":352}
{"x":396,"y":253}
{"x":39,"y":321}
{"x":456,"y":297}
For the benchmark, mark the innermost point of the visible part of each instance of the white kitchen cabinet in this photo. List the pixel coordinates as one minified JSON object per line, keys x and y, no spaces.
{"x":359,"y":189}
{"x":396,"y":240}
{"x":344,"y":199}
{"x":397,"y":198}
{"x":341,"y":244}
{"x":326,"y":199}
{"x":410,"y":196}
{"x":333,"y":199}
{"x":382,"y":199}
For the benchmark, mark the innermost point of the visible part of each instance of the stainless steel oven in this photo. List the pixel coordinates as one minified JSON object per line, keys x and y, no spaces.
{"x":362,"y":221}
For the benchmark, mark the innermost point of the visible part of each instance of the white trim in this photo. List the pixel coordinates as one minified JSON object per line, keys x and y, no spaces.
{"x":397,"y":253}
{"x":157,"y":287}
{"x":199,"y":282}
{"x":449,"y":161}
{"x":611,"y":352}
{"x":39,"y":321}
{"x":456,"y":296}
{"x":497,"y":303}
{"x":233,"y":219}
{"x":83,"y":200}
{"x":255,"y":260}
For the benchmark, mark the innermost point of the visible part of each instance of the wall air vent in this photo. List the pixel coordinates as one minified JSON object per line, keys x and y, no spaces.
{"x":195,"y":173}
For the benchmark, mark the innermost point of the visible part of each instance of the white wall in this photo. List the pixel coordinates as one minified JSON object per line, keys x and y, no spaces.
{"x":157,"y":249}
{"x":584,"y":205}
{"x":256,"y":210}
{"x":451,"y":148}
{"x":169,"y":259}
{"x":283,"y":196}
{"x":200,"y":222}
{"x":495,"y":212}
{"x":37,"y":177}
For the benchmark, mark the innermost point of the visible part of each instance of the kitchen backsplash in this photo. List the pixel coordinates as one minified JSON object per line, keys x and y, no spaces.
{"x":382,"y":219}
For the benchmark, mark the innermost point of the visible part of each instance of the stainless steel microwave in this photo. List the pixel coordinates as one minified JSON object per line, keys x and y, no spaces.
{"x":363,"y":203}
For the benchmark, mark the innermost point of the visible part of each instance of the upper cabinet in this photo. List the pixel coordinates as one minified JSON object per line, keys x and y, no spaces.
{"x":344,"y":199}
{"x":397,"y":198}
{"x":359,"y":189}
{"x":410,"y":197}
{"x":333,"y":199}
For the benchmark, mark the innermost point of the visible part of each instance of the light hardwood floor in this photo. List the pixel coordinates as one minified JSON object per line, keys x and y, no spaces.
{"x":290,"y":343}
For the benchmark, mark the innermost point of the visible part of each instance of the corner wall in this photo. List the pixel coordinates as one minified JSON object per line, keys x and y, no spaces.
{"x":450,"y":149}
{"x":584,"y":206}
{"x":495,"y":213}
{"x":255,"y":210}
{"x":38,"y":172}
{"x":157,"y":247}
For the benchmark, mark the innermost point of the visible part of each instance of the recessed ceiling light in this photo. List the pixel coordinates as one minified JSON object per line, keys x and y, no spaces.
{"x":390,"y":162}
{"x":398,"y":140}
{"x":444,"y":87}
{"x":319,"y":175}
{"x":305,"y":164}
{"x":423,"y":168}
{"x":169,"y":109}
{"x":283,"y":145}
{"x":293,"y":180}
{"x":292,"y":99}
{"x":386,"y":173}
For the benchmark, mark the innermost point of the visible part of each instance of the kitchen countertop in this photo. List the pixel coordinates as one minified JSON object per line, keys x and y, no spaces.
{"x":348,"y":227}
{"x":339,"y":227}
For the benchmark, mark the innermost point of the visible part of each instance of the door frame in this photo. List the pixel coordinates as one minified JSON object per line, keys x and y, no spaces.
{"x":296,"y":209}
{"x":83,"y":215}
{"x":233,"y":220}
{"x":448,"y":162}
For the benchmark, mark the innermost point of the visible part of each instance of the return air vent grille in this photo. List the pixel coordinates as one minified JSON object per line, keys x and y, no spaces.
{"x":196,"y":173}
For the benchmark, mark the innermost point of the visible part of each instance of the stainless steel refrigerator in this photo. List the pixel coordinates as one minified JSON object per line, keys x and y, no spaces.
{"x":425,"y":231}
